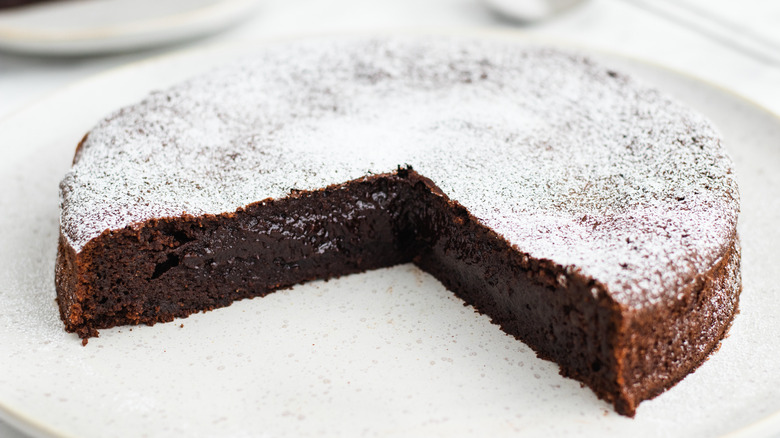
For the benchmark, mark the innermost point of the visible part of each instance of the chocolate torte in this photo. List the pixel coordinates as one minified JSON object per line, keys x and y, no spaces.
{"x":588,"y":215}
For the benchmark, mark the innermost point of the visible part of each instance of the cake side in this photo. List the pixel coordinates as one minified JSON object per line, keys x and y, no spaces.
{"x":71,"y":292}
{"x":658,"y":346}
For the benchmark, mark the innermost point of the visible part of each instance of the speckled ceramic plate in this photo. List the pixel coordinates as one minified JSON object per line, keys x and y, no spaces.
{"x":80,"y":27}
{"x":385,"y":353}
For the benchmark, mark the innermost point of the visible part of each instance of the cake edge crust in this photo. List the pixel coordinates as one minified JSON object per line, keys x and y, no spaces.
{"x":704,"y":314}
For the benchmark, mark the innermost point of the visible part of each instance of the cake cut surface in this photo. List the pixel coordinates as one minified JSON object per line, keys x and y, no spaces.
{"x":588,"y":215}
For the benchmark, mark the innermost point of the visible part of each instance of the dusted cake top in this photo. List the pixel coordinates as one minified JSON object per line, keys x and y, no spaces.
{"x":567,"y":160}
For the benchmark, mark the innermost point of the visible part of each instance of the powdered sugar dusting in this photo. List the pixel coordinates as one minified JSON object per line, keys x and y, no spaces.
{"x":567,"y":160}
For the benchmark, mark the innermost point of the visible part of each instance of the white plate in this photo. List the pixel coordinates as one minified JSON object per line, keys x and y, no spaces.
{"x":388,"y":353}
{"x":80,"y":27}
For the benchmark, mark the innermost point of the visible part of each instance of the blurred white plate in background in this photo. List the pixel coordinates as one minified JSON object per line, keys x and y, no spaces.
{"x":84,"y":27}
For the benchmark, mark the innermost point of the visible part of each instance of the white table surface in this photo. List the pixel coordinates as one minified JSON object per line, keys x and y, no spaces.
{"x":619,"y":26}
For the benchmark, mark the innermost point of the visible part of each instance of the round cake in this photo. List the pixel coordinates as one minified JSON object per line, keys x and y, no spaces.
{"x":587,"y":214}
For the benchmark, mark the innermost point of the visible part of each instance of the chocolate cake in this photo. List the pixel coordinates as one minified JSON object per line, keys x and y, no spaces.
{"x":589,"y":215}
